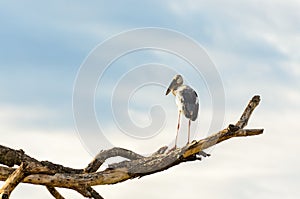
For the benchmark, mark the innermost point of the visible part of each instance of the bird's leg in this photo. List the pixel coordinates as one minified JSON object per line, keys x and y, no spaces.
{"x":178,"y":125}
{"x":189,"y":132}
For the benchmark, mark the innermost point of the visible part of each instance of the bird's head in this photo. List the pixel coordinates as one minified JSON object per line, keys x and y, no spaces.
{"x":176,"y":82}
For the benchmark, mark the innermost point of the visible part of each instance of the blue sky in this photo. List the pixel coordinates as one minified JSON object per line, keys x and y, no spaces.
{"x":254,"y":46}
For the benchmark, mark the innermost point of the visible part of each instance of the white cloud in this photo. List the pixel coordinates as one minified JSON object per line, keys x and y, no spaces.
{"x":262,"y":29}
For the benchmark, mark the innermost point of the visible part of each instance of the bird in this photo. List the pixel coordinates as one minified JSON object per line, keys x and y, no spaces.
{"x":186,"y":100}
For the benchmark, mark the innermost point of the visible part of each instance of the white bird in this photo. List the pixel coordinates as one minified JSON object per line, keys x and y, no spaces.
{"x":186,"y":100}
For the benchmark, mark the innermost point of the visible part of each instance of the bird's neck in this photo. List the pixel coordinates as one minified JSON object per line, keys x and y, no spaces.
{"x":174,"y":90}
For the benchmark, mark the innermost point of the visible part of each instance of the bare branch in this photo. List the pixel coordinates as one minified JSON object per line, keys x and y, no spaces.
{"x":88,"y":192}
{"x":248,"y":111}
{"x":104,"y":155}
{"x":54,"y":192}
{"x":94,"y":193}
{"x":119,"y":172}
{"x":55,"y":175}
{"x":11,"y":157}
{"x":13,"y":180}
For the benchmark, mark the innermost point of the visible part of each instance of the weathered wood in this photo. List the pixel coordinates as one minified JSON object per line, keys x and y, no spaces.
{"x":81,"y":180}
{"x":94,"y":194}
{"x":243,"y":121}
{"x":119,"y":172}
{"x":13,"y":180}
{"x":88,"y":192}
{"x":11,"y":157}
{"x":114,"y":152}
{"x":54,"y":193}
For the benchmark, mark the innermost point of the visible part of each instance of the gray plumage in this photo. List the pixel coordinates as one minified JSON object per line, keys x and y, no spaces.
{"x":186,"y":100}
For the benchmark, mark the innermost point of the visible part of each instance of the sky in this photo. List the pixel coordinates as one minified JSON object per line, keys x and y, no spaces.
{"x":252,"y":45}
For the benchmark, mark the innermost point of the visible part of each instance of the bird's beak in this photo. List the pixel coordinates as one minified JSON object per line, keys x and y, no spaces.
{"x":168,"y":91}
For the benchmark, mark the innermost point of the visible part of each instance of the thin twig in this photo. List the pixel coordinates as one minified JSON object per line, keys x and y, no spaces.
{"x":13,"y":180}
{"x":54,"y":192}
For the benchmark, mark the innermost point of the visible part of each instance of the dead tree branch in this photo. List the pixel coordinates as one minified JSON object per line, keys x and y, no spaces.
{"x":53,"y":175}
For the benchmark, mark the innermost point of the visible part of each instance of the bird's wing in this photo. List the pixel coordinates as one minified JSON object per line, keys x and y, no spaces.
{"x":190,"y":103}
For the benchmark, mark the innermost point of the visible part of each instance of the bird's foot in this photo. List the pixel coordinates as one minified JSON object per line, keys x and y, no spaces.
{"x":202,"y":153}
{"x":172,"y":149}
{"x":193,"y":142}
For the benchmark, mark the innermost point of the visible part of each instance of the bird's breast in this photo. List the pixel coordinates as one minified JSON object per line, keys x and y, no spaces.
{"x":178,"y":100}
